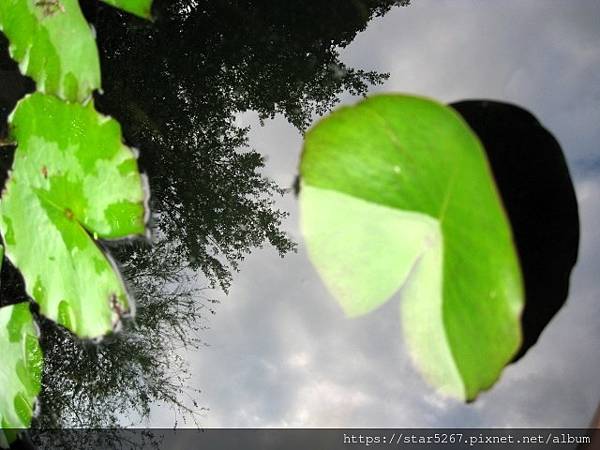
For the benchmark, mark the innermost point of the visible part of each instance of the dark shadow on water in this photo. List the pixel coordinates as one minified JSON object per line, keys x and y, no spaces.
{"x":536,"y":189}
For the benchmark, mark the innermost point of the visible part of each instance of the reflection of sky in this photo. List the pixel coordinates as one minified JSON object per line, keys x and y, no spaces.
{"x":281,"y":352}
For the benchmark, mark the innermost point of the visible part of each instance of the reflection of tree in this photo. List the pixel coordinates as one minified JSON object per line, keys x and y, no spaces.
{"x":90,"y":384}
{"x":176,"y":86}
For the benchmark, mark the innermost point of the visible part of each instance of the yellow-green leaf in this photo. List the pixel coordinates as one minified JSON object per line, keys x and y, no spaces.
{"x":20,"y":371}
{"x":79,"y":182}
{"x":140,"y":8}
{"x":397,"y":194}
{"x":53,"y":44}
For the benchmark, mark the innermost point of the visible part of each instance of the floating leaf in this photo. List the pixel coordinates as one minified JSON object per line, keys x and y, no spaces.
{"x":53,"y":44}
{"x":20,"y":371}
{"x":397,"y":193}
{"x":138,"y":7}
{"x":77,"y":180}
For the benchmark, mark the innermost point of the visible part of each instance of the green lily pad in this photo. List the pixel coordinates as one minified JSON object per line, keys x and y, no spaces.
{"x":397,"y":194}
{"x":79,"y":182}
{"x":20,"y":371}
{"x":53,"y":44}
{"x":140,"y":8}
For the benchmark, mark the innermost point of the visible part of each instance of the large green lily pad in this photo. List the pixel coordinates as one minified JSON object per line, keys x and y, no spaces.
{"x":72,"y":181}
{"x":140,"y":8}
{"x":397,"y":194}
{"x":53,"y":44}
{"x":20,"y":371}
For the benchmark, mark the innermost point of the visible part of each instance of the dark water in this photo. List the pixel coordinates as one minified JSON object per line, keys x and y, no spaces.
{"x":216,"y":95}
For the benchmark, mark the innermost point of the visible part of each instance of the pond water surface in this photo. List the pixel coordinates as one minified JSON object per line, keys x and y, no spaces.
{"x":281,"y":352}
